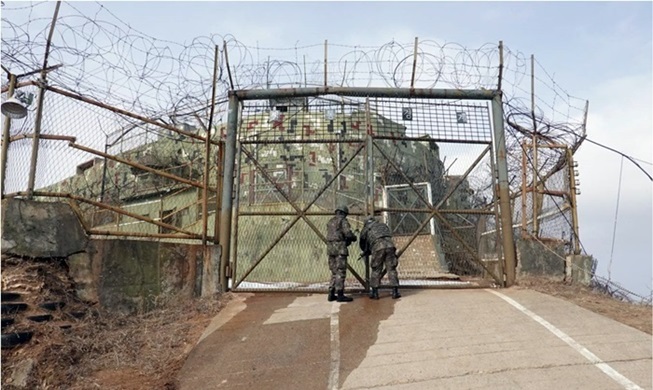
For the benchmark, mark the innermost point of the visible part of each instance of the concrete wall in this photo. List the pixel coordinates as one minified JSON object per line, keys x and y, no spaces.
{"x":119,"y":274}
{"x":130,"y":275}
{"x":535,"y":259}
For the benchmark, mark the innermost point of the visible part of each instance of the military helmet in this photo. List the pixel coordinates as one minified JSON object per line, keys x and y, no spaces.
{"x":369,"y":220}
{"x":343,"y":208}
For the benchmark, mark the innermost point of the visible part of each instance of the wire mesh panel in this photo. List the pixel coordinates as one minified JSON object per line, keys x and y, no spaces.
{"x":128,"y":177}
{"x":543,"y":211}
{"x":406,"y":159}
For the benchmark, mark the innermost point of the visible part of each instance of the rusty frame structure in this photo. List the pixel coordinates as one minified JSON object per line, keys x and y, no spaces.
{"x":233,"y":147}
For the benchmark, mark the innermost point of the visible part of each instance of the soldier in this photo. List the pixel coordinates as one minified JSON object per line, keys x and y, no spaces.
{"x":339,"y":236}
{"x":376,"y":239}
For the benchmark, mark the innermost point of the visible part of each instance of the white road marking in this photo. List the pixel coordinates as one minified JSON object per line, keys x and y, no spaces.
{"x":600,"y":364}
{"x":335,"y":348}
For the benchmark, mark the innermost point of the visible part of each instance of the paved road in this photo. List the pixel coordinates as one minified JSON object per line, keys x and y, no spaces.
{"x":429,"y":339}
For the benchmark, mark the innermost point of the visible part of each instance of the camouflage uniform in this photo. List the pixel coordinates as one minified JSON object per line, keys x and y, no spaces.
{"x":376,"y":239}
{"x":339,"y":236}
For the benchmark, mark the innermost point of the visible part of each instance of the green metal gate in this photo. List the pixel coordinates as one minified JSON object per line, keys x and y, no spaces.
{"x":424,"y":165}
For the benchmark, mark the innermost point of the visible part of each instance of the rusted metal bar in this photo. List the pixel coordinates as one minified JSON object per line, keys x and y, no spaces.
{"x":207,"y":154}
{"x":143,"y":235}
{"x":438,"y":140}
{"x":80,"y":215}
{"x":463,"y":177}
{"x":534,"y":188}
{"x":369,"y":160}
{"x":500,"y":65}
{"x":493,"y":206}
{"x":469,"y":211}
{"x":218,"y":194}
{"x":536,"y":227}
{"x":39,"y":111}
{"x":587,"y":107}
{"x":226,"y":60}
{"x":412,"y":78}
{"x":47,"y":70}
{"x":228,"y":187}
{"x":533,"y":93}
{"x":283,"y":213}
{"x":5,"y":88}
{"x":5,"y":137}
{"x":106,"y":207}
{"x":44,"y":136}
{"x":357,"y":276}
{"x":233,"y":264}
{"x":122,"y":112}
{"x":553,"y":192}
{"x":262,"y":94}
{"x":504,"y":191}
{"x":524,"y":198}
{"x":325,"y":62}
{"x":550,"y":145}
{"x":300,"y":141}
{"x":428,"y":210}
{"x":136,"y":165}
{"x":572,"y":201}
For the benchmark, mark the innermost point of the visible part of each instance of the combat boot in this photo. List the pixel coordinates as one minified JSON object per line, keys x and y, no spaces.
{"x":375,"y":293}
{"x":395,"y":293}
{"x":343,"y":298}
{"x":332,"y":295}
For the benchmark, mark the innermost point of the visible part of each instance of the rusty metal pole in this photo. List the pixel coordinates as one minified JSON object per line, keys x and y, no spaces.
{"x":412,"y":78}
{"x":500,"y":65}
{"x":228,"y":187}
{"x":218,"y":193}
{"x":572,"y":200}
{"x":535,"y":192}
{"x":39,"y":112}
{"x":370,"y":181}
{"x":497,"y":215}
{"x":524,"y":196}
{"x":504,"y":192}
{"x":5,"y":136}
{"x":207,"y":155}
{"x":232,"y":273}
{"x":325,"y":62}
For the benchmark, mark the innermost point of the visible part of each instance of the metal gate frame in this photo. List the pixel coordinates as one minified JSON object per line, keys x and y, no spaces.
{"x":508,"y":262}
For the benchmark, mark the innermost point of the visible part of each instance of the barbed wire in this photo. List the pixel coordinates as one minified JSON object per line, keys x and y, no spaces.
{"x":110,"y":61}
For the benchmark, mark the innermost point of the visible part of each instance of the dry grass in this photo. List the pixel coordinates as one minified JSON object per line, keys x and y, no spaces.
{"x":639,"y":316}
{"x":146,"y":350}
{"x":103,"y":350}
{"x":108,"y":351}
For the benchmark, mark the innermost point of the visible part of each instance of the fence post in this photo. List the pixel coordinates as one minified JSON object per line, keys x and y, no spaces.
{"x":572,"y":200}
{"x":504,"y":191}
{"x":39,"y":112}
{"x":227,"y":187}
{"x":5,"y":135}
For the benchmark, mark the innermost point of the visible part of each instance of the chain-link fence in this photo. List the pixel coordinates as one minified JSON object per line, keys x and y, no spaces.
{"x":423,"y":166}
{"x":125,"y":176}
{"x":123,"y":126}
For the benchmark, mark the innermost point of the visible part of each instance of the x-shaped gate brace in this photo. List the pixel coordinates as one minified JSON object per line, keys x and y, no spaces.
{"x":434,"y":210}
{"x":301,"y":213}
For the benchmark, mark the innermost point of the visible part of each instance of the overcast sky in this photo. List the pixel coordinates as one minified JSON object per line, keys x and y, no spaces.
{"x":599,"y":51}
